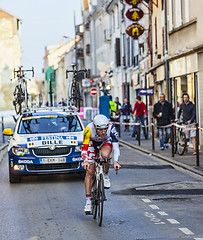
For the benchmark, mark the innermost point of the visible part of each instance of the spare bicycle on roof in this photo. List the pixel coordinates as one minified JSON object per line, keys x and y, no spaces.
{"x":75,"y":92}
{"x":20,"y":93}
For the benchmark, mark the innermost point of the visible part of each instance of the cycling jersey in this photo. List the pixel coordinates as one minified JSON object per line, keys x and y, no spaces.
{"x":91,"y":140}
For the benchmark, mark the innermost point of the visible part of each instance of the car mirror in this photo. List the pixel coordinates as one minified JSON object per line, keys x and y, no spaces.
{"x":8,"y":132}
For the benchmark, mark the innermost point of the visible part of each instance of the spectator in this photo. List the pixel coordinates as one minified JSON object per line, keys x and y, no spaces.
{"x":126,"y":111}
{"x":118,"y":114}
{"x":163,"y":112}
{"x":104,"y":104}
{"x":187,"y":110}
{"x":117,"y":102}
{"x":140,"y":114}
{"x":63,"y":102}
{"x":113,"y":108}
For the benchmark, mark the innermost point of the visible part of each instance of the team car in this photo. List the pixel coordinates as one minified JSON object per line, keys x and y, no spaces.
{"x":45,"y":141}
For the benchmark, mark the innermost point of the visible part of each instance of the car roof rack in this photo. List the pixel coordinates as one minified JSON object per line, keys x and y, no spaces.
{"x":50,"y":109}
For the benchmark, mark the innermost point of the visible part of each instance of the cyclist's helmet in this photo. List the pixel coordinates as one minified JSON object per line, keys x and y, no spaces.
{"x":101,"y":121}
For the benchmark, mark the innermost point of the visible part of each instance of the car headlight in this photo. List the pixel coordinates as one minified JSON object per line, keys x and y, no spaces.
{"x":20,"y":151}
{"x":78,"y":148}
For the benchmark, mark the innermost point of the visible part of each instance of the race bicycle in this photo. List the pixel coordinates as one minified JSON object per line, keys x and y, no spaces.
{"x":75,"y":93}
{"x":20,"y":93}
{"x":98,"y":193}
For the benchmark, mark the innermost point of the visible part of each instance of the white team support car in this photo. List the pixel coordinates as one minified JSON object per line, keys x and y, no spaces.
{"x":45,"y":141}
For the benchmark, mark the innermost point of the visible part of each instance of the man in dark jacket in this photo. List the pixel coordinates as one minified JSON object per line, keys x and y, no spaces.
{"x":163,"y":112}
{"x":187,"y":110}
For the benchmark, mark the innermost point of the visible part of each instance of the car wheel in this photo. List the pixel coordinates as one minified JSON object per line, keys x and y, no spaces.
{"x":14,"y":178}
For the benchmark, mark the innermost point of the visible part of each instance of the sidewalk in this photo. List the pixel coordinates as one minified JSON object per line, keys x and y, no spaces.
{"x":186,"y":161}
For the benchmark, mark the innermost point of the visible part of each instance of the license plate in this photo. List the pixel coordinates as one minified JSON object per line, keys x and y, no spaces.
{"x":53,"y":160}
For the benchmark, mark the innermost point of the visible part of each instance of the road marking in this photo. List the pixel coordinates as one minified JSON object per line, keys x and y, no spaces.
{"x":186,"y":231}
{"x":173,"y":221}
{"x":198,"y":238}
{"x":154,"y":206}
{"x":162,"y":213}
{"x":146,"y":200}
{"x":153,"y":218}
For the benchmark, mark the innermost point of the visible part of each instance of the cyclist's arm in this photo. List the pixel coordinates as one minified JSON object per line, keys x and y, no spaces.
{"x":115,"y":144}
{"x":86,"y":141}
{"x":116,"y":151}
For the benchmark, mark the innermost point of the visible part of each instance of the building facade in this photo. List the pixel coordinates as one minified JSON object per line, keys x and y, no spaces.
{"x":10,"y":56}
{"x":167,"y":57}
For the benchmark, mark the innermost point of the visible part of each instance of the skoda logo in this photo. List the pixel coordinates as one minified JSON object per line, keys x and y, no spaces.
{"x":52,"y":147}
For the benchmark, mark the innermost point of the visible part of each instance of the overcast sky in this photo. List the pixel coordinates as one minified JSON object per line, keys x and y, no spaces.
{"x":44,"y":22}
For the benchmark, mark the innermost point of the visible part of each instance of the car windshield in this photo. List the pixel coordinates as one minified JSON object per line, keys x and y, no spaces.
{"x":49,"y":124}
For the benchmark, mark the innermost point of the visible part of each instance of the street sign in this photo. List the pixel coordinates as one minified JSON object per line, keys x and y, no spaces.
{"x":146,"y":91}
{"x":93,"y":91}
{"x":132,"y":2}
{"x":134,"y":14}
{"x":135,"y":30}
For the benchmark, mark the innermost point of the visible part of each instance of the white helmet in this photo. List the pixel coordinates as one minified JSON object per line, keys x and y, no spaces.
{"x":101,"y":121}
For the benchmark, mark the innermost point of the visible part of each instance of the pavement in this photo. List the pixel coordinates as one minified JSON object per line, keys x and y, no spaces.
{"x":187,"y":161}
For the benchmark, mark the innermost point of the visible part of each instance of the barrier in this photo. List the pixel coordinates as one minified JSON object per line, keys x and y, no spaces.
{"x":172,"y":126}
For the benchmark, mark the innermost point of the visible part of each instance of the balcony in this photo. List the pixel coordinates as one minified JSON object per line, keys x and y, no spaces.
{"x":88,"y":49}
{"x":107,"y":35}
{"x":80,"y":53}
{"x":79,"y":30}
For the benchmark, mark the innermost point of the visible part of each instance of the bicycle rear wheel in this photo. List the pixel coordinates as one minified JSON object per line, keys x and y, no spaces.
{"x":75,"y":95}
{"x":182,"y":143}
{"x":18,"y":99}
{"x":100,"y":199}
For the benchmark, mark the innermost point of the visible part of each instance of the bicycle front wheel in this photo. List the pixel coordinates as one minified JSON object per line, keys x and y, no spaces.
{"x":182,"y":143}
{"x":94,"y":197}
{"x":100,"y":199}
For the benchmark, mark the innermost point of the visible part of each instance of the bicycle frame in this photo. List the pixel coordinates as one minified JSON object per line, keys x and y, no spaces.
{"x":75,"y":95}
{"x":20,"y":92}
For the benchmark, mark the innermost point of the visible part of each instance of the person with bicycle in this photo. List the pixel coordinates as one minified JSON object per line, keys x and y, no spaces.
{"x":99,"y":133}
{"x":187,"y":112}
{"x":140,"y":114}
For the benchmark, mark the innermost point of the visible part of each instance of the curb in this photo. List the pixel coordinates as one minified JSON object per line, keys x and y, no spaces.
{"x":3,"y":150}
{"x":167,"y":159}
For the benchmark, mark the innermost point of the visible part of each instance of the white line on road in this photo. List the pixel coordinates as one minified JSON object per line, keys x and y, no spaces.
{"x":162,"y":213}
{"x":146,"y":200}
{"x":198,"y":238}
{"x":173,"y":221}
{"x":154,"y":206}
{"x":186,"y":231}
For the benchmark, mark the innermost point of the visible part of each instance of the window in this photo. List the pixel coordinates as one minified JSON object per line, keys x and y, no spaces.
{"x":49,"y":124}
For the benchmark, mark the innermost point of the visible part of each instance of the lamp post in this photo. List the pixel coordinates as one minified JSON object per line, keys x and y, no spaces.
{"x":169,"y":90}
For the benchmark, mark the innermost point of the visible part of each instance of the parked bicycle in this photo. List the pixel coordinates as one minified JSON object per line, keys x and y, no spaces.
{"x":20,"y":93}
{"x":75,"y":93}
{"x":180,"y":141}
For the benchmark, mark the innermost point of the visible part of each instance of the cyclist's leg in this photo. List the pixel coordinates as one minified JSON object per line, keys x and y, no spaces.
{"x":106,"y":149}
{"x":88,"y":179}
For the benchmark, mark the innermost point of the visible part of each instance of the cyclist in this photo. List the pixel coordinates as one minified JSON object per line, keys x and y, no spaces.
{"x":100,"y":133}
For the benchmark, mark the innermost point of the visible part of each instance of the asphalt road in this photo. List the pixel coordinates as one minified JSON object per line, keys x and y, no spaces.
{"x":148,"y":200}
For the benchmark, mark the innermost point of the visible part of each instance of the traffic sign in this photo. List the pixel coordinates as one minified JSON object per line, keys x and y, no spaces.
{"x":146,"y":91}
{"x":93,"y":91}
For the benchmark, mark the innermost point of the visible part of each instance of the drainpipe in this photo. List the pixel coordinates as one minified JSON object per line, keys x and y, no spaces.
{"x":169,"y":90}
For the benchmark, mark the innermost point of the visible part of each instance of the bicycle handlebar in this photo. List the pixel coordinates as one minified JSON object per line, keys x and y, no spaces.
{"x":76,"y":71}
{"x":21,"y":72}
